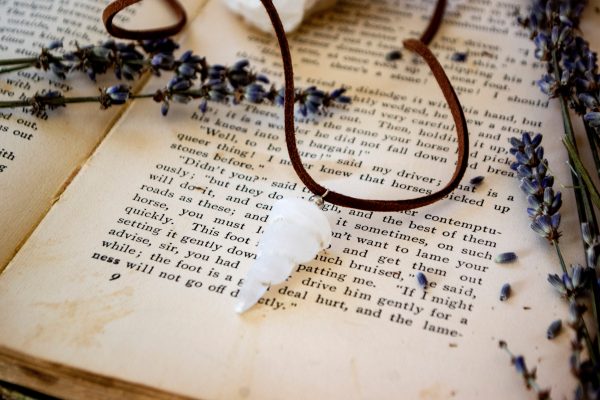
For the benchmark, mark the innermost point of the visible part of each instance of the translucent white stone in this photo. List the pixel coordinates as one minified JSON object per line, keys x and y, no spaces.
{"x":292,"y":12}
{"x":295,"y":232}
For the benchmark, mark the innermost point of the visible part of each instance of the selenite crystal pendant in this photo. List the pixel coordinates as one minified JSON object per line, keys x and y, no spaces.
{"x":297,"y":230}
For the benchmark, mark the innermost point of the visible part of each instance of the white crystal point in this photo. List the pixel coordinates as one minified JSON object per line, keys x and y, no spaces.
{"x":296,"y":231}
{"x":292,"y":12}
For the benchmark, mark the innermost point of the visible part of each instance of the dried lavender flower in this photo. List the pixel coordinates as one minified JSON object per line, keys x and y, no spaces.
{"x":422,"y":280}
{"x":570,"y":285}
{"x":505,"y":292}
{"x":536,"y":183}
{"x":459,"y":56}
{"x":114,"y":95}
{"x":476,"y":181}
{"x":554,"y":329}
{"x":571,"y":76}
{"x":504,"y":258}
{"x":216,"y":83}
{"x":529,"y":376}
{"x":127,"y":60}
{"x":393,"y":55}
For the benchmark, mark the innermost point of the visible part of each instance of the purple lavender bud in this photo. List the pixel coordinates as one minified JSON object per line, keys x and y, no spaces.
{"x":476,"y":181}
{"x":586,"y":233}
{"x":203,"y":106}
{"x":588,"y":100}
{"x":262,"y":78}
{"x":520,"y":366}
{"x":55,"y":44}
{"x":522,"y":158}
{"x":556,"y":204}
{"x":539,"y":151}
{"x":459,"y":56}
{"x":591,"y":254}
{"x":548,"y":180}
{"x":163,"y":61}
{"x":164,"y":108}
{"x":337,"y":93}
{"x":529,"y":186}
{"x":241,"y":64}
{"x":557,"y":283}
{"x":505,"y":292}
{"x":515,"y":142}
{"x":303,"y":110}
{"x":539,"y":227}
{"x":118,"y":94}
{"x":311,"y":107}
{"x":393,"y":55}
{"x":548,"y":195}
{"x":555,"y":221}
{"x":505,"y":258}
{"x":179,"y":84}
{"x":254,"y":93}
{"x":593,"y":118}
{"x":575,"y":312}
{"x":554,"y":329}
{"x":524,"y":171}
{"x":422,"y":280}
{"x":577,"y":275}
{"x":186,"y":70}
{"x":567,"y":282}
{"x":186,"y":56}
{"x":545,"y":223}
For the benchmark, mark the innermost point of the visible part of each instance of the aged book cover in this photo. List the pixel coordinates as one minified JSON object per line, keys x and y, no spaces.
{"x":126,"y":281}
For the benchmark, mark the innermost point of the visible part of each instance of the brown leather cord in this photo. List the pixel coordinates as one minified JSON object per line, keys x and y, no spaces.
{"x":418,"y":46}
{"x":413,"y":45}
{"x":117,"y":6}
{"x":434,"y":22}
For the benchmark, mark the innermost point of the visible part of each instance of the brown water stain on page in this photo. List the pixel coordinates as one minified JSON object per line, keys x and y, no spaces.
{"x":80,"y":322}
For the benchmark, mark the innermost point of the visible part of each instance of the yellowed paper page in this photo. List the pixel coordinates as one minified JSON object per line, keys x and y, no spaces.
{"x":134,"y":272}
{"x":39,"y":154}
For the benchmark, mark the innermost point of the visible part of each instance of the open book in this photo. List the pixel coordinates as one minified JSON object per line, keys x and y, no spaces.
{"x":126,"y":235}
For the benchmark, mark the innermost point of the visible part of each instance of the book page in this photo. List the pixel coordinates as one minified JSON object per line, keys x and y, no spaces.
{"x":38,"y":154}
{"x":134,"y":273}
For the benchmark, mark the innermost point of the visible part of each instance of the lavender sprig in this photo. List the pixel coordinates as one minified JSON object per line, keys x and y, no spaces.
{"x":126,"y":60}
{"x":571,"y":77}
{"x":544,"y":211}
{"x":532,"y":171}
{"x":529,"y":376}
{"x":194,"y":79}
{"x":181,"y":90}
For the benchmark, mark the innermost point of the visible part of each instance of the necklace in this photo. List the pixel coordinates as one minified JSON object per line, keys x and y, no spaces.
{"x":297,"y":230}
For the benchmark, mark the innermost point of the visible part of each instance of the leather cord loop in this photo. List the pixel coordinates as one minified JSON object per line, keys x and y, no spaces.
{"x":415,"y":45}
{"x":158,"y":33}
{"x":418,"y":46}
